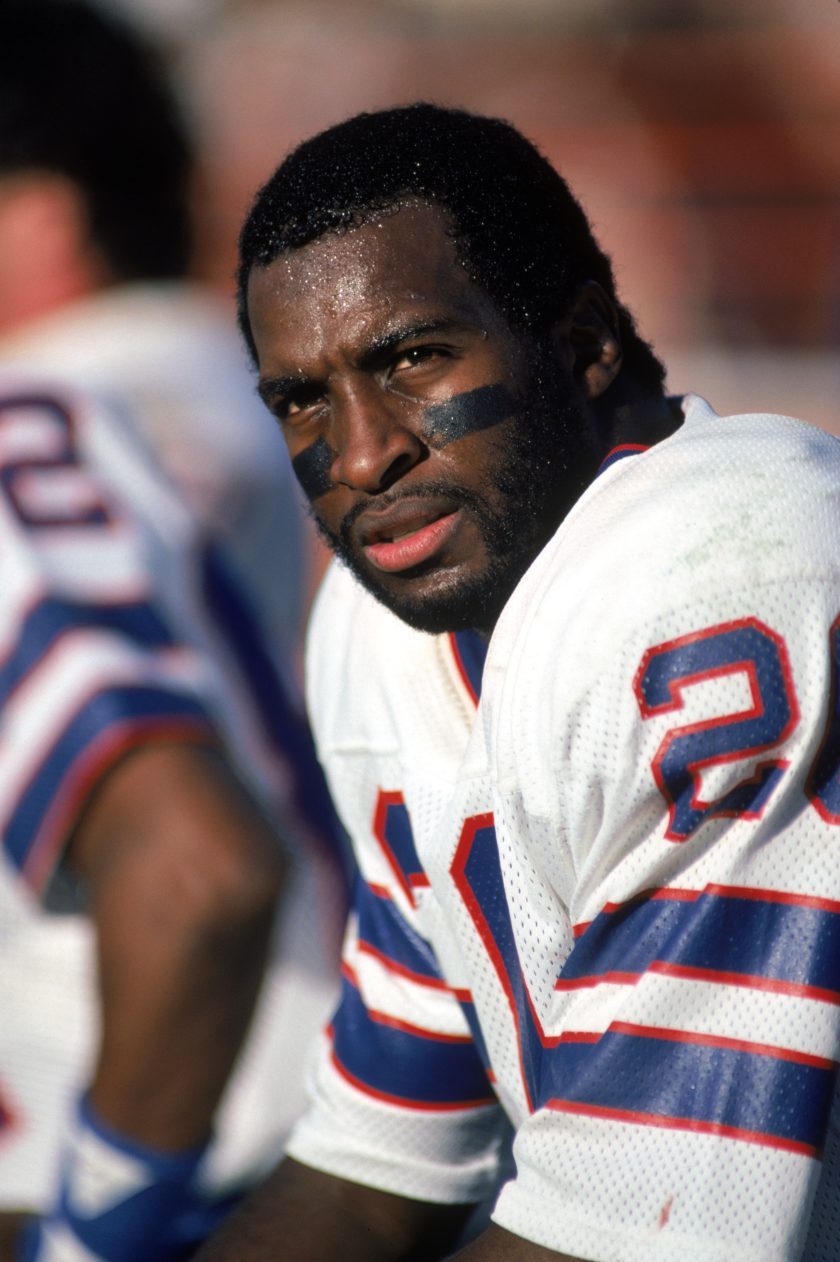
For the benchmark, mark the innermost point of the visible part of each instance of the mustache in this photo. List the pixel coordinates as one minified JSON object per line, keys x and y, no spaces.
{"x":458,"y":495}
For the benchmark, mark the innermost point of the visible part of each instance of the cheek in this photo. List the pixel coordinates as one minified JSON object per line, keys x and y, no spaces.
{"x":312,"y":469}
{"x":466,"y":413}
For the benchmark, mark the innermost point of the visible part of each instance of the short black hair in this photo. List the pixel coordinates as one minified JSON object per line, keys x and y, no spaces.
{"x":520,"y":233}
{"x":85,"y":96}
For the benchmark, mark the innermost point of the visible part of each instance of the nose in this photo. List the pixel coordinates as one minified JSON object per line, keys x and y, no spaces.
{"x":372,"y":436}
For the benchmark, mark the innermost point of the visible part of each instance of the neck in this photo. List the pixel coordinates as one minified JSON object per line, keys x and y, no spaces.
{"x":630,"y":413}
{"x":626,"y":413}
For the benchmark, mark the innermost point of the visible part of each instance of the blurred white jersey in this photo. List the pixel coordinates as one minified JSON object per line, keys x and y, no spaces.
{"x":606,"y":905}
{"x":167,"y":353}
{"x":119,"y":625}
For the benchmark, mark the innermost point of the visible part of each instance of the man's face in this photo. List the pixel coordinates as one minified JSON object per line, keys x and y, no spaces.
{"x":439,"y":449}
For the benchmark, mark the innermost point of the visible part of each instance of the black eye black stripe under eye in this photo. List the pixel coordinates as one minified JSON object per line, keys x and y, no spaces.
{"x":443,"y":423}
{"x":312,"y":468}
{"x":466,"y":414}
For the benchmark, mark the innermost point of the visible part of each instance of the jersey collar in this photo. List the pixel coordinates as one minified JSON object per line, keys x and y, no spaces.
{"x":620,"y":453}
{"x":468,"y":647}
{"x":470,"y":652}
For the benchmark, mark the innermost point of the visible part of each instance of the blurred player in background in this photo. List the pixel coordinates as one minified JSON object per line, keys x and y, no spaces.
{"x":137,"y":689}
{"x":95,"y":181}
{"x":141,"y":725}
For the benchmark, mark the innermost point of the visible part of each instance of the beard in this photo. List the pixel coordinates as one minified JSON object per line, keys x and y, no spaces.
{"x":542,"y":461}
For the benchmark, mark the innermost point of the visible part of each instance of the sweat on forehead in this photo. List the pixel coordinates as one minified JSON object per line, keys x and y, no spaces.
{"x":338,"y":263}
{"x":520,"y":233}
{"x":493,"y":185}
{"x":356,"y":298}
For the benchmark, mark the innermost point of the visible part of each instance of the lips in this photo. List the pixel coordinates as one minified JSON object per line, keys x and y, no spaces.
{"x":406,"y":534}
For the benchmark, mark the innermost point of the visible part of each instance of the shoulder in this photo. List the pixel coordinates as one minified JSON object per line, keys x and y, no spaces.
{"x":698,"y":526}
{"x":723,"y":500}
{"x":704,"y":498}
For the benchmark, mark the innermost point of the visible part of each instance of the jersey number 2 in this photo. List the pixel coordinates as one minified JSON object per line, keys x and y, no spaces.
{"x":748,"y":648}
{"x":53,"y":428}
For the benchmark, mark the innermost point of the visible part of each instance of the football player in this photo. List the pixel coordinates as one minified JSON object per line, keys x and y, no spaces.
{"x":575,"y":688}
{"x":97,"y":184}
{"x":158,"y":792}
{"x":95,"y":180}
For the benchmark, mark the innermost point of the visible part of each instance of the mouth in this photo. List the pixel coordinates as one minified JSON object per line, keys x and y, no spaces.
{"x":407,"y":535}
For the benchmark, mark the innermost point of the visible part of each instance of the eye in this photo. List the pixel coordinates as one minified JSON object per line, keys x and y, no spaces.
{"x":416,"y":356}
{"x":296,"y":402}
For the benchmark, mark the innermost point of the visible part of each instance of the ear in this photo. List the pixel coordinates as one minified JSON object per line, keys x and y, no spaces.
{"x":590,"y":333}
{"x":46,"y":255}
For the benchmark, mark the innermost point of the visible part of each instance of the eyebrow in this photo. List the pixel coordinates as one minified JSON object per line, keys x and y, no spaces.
{"x":388,"y":342}
{"x":273,"y":387}
{"x":270,"y":388}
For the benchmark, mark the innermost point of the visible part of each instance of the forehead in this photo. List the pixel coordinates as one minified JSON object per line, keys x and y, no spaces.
{"x":358,"y":286}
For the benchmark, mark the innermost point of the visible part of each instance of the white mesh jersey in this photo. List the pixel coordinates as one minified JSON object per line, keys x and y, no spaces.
{"x":166,"y":352}
{"x":120,"y":625}
{"x":622,"y":875}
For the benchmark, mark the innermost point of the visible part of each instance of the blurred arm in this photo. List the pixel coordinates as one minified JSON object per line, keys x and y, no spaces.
{"x":184,"y":873}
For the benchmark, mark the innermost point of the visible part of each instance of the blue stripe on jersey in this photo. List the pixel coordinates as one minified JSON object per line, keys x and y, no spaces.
{"x":284,"y":726}
{"x":112,"y":709}
{"x":385,"y":929}
{"x":52,"y":618}
{"x":472,"y":654}
{"x":392,"y":828}
{"x":405,"y":1065}
{"x":666,"y":1077}
{"x":716,"y":931}
{"x":665,"y":1081}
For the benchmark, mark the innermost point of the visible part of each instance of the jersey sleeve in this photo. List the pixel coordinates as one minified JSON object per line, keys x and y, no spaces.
{"x":677,"y":766}
{"x":89,"y":665}
{"x":400,"y":1096}
{"x":401,"y":1099}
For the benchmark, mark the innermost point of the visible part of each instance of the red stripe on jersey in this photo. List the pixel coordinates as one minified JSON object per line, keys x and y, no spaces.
{"x":383,"y":1018}
{"x":774,"y":896}
{"x":720,"y":1040}
{"x":583,"y":983}
{"x":421,"y":979}
{"x":669,"y":894}
{"x":683,"y":1124}
{"x":9,"y":1120}
{"x":721,"y":978}
{"x":419,"y":1031}
{"x":420,"y":1106}
{"x":716,"y":977}
{"x":89,"y":768}
{"x":462,"y":670}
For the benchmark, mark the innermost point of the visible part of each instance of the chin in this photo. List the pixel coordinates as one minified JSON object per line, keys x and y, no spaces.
{"x":455,"y":604}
